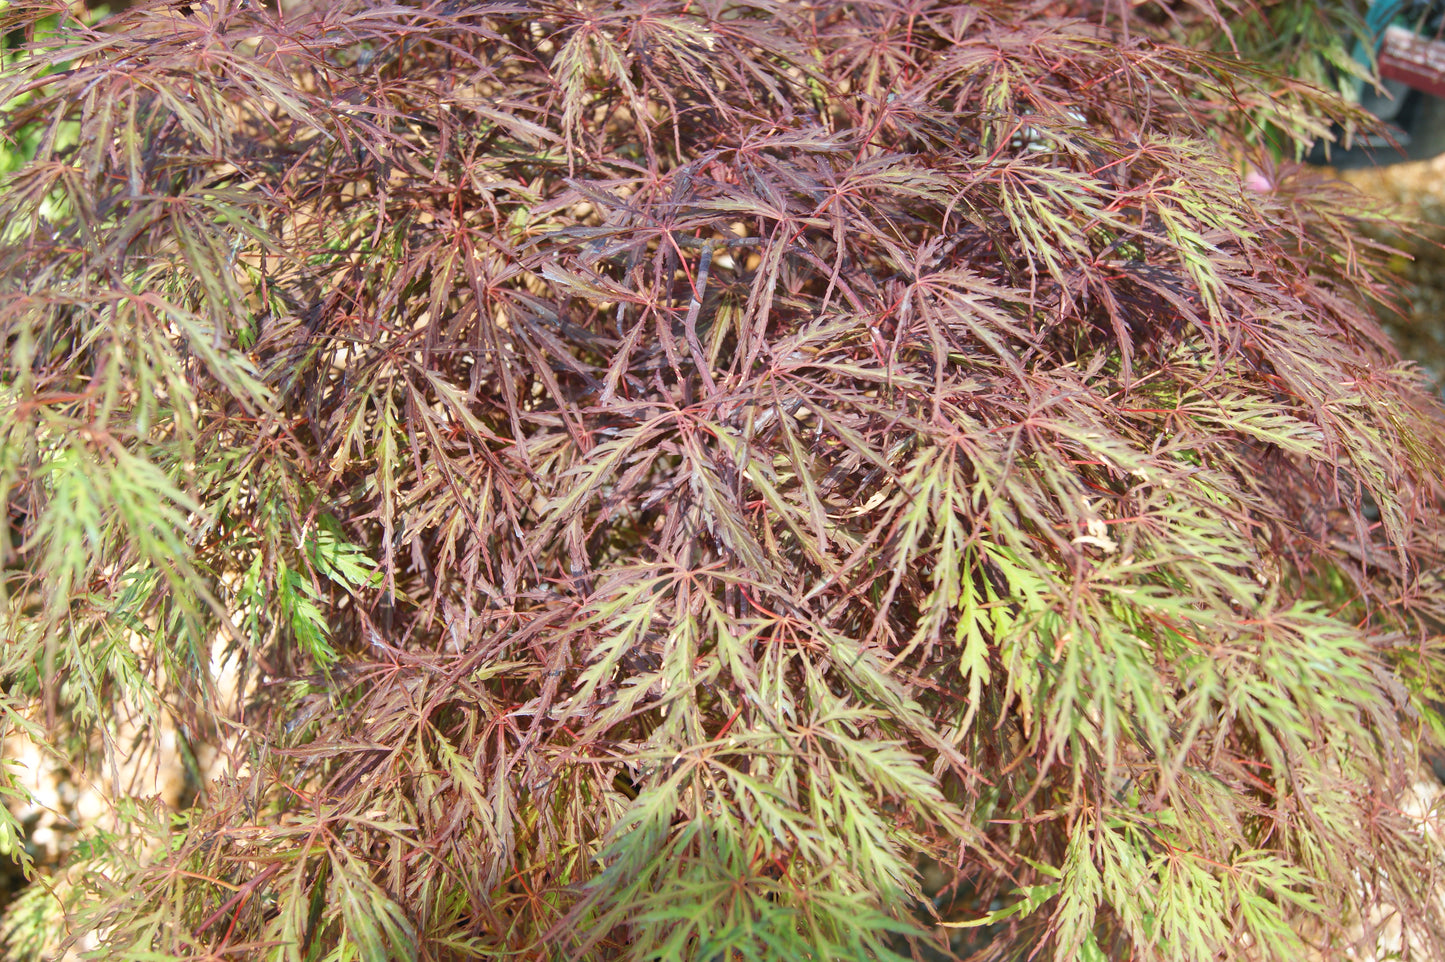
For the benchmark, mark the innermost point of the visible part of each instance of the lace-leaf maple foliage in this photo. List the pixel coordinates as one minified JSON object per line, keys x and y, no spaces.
{"x":663,"y":471}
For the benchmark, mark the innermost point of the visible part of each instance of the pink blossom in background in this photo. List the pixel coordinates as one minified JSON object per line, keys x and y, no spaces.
{"x":1258,"y":183}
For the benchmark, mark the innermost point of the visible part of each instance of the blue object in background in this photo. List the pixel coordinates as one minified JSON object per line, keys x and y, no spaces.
{"x":1415,"y":117}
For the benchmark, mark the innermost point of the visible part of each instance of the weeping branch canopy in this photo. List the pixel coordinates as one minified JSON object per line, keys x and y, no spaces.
{"x":660,"y":471}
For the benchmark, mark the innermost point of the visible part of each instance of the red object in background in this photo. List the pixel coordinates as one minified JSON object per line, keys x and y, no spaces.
{"x":1413,"y":60}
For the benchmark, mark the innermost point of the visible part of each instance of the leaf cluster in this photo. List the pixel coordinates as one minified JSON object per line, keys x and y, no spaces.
{"x":659,"y":470}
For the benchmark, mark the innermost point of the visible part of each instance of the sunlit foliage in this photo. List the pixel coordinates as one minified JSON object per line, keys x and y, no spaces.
{"x":665,"y":470}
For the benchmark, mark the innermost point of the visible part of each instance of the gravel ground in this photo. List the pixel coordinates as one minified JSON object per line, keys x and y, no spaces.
{"x":1417,"y":190}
